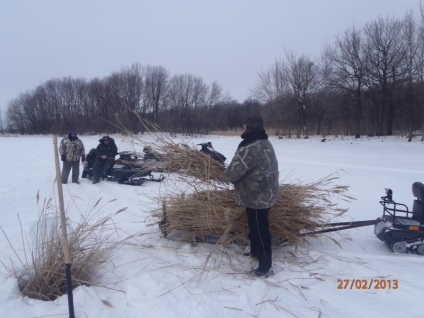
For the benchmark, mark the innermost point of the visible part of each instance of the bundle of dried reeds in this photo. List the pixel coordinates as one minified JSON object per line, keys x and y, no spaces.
{"x":301,"y":208}
{"x":186,"y":159}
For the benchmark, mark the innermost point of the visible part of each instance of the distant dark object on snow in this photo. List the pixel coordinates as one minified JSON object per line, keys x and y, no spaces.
{"x":323,"y":140}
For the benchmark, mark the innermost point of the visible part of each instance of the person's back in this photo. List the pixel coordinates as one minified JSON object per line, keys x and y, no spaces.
{"x":254,"y":173}
{"x":258,"y":188}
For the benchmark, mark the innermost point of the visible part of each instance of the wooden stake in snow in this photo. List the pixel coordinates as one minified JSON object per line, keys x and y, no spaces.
{"x":65,"y":243}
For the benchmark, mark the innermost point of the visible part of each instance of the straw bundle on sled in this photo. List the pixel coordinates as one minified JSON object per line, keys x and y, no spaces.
{"x":300,"y":209}
{"x":185,"y":159}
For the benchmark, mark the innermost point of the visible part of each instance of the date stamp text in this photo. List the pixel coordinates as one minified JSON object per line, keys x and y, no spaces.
{"x":367,"y":284}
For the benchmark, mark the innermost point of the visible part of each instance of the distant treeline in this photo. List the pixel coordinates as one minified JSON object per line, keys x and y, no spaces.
{"x":370,"y":81}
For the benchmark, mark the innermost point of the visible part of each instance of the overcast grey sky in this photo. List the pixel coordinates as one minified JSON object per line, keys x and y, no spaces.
{"x":224,"y":40}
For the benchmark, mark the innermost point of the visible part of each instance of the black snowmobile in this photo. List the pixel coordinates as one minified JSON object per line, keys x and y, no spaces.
{"x":127,"y":169}
{"x":208,"y":150}
{"x":401,"y":229}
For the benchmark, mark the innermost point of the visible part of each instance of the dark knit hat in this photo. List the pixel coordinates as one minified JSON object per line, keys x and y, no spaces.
{"x":72,"y":134}
{"x":254,"y":122}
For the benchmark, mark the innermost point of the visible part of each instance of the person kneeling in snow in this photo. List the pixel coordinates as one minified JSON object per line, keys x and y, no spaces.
{"x":254,"y":173}
{"x":105,"y":158}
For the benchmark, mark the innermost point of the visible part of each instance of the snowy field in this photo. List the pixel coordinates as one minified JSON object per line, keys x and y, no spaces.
{"x":155,"y":277}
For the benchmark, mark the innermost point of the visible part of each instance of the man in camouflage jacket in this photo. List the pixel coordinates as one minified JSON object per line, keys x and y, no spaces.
{"x":105,"y":158}
{"x":254,"y":173}
{"x":71,"y":150}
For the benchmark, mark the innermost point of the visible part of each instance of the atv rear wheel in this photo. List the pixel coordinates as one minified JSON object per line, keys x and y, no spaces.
{"x":399,"y":247}
{"x":420,"y":249}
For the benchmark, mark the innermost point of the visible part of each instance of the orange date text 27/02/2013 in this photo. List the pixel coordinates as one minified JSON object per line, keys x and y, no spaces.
{"x":367,"y":284}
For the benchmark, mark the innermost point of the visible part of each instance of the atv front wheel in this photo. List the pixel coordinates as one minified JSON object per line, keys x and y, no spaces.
{"x":380,"y":228}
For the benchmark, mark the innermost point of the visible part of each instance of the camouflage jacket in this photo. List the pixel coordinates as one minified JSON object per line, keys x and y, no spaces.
{"x":72,"y":149}
{"x":254,"y":173}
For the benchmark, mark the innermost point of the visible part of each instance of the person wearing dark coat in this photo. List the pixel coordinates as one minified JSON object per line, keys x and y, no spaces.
{"x":105,"y":158}
{"x":254,"y":173}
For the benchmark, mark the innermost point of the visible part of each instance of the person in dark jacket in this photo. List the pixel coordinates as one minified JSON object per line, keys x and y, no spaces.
{"x":105,"y":158}
{"x":254,"y":173}
{"x":71,"y":150}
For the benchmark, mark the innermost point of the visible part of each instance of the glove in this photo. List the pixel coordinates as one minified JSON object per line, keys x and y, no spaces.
{"x":82,"y":158}
{"x":63,"y":157}
{"x":85,"y":164}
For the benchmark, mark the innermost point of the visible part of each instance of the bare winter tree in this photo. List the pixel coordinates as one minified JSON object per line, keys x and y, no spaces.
{"x":155,"y":86}
{"x":1,"y":122}
{"x":190,"y":99}
{"x":211,"y":96}
{"x":271,"y":89}
{"x":420,"y":53}
{"x":270,"y":85}
{"x":17,"y":119}
{"x":344,"y":70}
{"x":296,"y":79}
{"x":130,"y":88}
{"x":384,"y":52}
{"x":302,"y":81}
{"x":413,"y":65}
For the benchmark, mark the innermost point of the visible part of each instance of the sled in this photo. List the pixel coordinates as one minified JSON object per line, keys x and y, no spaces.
{"x":401,"y":229}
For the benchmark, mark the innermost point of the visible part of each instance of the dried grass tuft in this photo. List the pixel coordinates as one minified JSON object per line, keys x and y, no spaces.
{"x":41,"y":274}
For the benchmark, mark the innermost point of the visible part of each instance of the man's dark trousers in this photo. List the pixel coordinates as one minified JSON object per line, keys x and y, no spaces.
{"x":260,"y":237}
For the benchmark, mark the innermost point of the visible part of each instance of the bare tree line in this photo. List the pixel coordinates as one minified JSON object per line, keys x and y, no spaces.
{"x":179,"y":103}
{"x":370,"y":81}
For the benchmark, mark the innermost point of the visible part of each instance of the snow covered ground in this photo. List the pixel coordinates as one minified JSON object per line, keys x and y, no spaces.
{"x":155,"y":277}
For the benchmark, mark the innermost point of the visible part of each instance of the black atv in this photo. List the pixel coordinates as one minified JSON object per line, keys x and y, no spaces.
{"x":401,"y":229}
{"x":127,"y":169}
